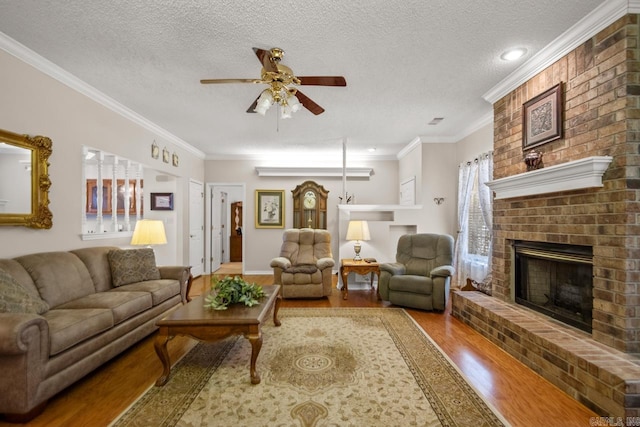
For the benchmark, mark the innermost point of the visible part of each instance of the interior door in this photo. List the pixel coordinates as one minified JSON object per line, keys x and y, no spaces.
{"x":217,"y":229}
{"x":196,"y":228}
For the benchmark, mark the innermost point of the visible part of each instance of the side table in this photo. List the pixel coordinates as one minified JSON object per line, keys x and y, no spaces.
{"x":348,"y":265}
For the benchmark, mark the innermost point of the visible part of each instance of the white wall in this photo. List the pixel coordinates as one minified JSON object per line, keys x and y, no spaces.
{"x":37,"y":104}
{"x":261,"y":245}
{"x":439,"y":179}
{"x":474,"y":144}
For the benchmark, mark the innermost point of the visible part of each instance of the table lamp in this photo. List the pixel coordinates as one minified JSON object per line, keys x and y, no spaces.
{"x":358,"y":230}
{"x":149,"y":232}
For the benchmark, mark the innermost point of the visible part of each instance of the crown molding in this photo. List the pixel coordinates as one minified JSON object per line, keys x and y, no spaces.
{"x":47,"y":67}
{"x":602,"y":16}
{"x":410,"y":146}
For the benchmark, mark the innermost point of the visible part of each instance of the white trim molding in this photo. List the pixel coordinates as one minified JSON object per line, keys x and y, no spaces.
{"x":42,"y":64}
{"x":604,"y":15}
{"x":574,"y":175}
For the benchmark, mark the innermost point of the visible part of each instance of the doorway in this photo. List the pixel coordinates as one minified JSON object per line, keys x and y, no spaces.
{"x":221,"y":223}
{"x":196,"y":227}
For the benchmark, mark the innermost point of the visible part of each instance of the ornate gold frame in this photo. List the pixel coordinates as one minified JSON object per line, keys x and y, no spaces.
{"x":40,"y":146}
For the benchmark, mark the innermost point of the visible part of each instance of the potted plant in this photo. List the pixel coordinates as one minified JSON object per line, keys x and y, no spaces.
{"x":231,"y":290}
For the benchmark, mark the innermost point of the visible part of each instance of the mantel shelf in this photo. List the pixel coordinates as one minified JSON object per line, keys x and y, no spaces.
{"x":377,"y":208}
{"x":574,"y":175}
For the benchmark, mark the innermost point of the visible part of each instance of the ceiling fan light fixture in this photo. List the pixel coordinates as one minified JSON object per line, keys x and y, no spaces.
{"x":293,"y":102}
{"x":264,"y":102}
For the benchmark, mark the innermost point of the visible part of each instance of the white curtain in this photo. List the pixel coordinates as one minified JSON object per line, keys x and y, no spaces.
{"x":473,"y":266}
{"x":466,"y":173}
{"x":485,"y":174}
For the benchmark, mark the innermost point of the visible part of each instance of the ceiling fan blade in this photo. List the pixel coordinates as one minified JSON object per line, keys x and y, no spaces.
{"x":253,"y":106}
{"x":265,"y":59}
{"x":323,"y":80}
{"x":215,"y":81}
{"x":309,"y":104}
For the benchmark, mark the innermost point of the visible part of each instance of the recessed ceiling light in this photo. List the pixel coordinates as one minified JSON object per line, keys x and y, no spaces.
{"x":513,"y":54}
{"x":372,"y":149}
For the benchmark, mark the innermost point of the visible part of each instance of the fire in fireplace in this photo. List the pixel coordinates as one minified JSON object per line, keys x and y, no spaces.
{"x":556,"y":280}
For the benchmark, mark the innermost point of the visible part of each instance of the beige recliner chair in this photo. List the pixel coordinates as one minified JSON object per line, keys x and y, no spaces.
{"x":305,"y":264}
{"x":421,"y":276}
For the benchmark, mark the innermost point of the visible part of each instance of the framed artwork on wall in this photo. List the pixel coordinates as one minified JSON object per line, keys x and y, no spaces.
{"x":269,"y":208}
{"x":155,"y":150}
{"x":161,"y":201}
{"x":542,"y":118}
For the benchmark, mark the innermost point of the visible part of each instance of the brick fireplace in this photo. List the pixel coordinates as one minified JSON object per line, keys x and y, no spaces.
{"x":601,"y":87}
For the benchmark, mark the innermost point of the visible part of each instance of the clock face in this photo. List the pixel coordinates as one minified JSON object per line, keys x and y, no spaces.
{"x":309,"y":200}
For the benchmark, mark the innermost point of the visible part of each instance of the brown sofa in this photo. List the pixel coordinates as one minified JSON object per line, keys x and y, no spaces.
{"x":61,"y":317}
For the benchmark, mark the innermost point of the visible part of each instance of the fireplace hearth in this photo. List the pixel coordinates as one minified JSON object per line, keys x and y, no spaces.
{"x":556,"y":280}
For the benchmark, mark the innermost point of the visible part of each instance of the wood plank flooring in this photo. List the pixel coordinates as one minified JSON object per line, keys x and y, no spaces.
{"x":520,"y":395}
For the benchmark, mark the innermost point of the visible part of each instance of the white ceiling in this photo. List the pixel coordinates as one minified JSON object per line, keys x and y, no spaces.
{"x":405,"y":63}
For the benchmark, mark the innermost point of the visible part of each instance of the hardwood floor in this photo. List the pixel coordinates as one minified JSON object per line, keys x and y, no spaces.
{"x":520,"y":395}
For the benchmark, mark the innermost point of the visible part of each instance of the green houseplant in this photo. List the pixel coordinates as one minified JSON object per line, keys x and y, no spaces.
{"x":231,"y":290}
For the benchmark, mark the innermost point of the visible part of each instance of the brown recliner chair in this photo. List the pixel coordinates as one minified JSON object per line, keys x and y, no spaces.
{"x":421,"y":276}
{"x":304,"y":267}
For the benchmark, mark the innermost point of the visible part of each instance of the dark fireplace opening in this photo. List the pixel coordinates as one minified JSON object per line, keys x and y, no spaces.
{"x":556,"y":280}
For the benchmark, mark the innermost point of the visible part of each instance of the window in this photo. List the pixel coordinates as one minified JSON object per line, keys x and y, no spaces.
{"x":479,"y":234}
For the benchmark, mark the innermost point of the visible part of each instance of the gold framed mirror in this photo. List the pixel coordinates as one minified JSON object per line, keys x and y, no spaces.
{"x":24,"y":191}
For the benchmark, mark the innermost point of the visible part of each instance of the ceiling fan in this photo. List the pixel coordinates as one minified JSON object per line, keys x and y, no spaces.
{"x":281,"y":82}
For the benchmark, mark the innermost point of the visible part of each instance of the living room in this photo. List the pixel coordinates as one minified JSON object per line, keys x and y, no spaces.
{"x":45,"y":101}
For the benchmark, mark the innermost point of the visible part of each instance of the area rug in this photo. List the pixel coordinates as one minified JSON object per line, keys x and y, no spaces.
{"x":321,"y":367}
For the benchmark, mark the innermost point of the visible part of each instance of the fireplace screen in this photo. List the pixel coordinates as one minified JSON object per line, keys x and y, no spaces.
{"x":556,"y":280}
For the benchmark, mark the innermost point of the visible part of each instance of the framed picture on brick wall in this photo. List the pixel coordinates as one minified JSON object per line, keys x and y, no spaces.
{"x":542,"y":118}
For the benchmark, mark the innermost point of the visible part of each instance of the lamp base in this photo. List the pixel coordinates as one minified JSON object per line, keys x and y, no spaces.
{"x":357,"y":247}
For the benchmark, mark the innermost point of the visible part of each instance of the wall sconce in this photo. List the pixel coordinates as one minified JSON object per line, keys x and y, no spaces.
{"x":439,"y":200}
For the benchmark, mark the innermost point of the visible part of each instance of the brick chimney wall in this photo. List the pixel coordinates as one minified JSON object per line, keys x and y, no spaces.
{"x":600,"y":85}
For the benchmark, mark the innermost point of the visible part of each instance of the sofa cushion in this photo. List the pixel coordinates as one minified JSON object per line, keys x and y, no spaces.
{"x":97,"y":262}
{"x":70,"y":327}
{"x":123,"y":305}
{"x":17,"y":271}
{"x":16,"y":299}
{"x":132,"y":265}
{"x":59,"y":276}
{"x":160,"y":290}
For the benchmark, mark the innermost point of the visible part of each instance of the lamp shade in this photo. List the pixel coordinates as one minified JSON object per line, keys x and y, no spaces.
{"x":149,"y":232}
{"x":358,"y":230}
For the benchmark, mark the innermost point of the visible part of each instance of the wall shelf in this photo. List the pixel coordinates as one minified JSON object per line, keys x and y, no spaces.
{"x":574,"y":175}
{"x":313,"y":171}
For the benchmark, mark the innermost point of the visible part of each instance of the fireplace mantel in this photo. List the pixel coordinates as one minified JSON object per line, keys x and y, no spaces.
{"x":574,"y":175}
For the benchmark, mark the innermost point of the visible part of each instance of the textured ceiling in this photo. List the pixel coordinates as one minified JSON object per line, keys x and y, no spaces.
{"x":405,"y":63}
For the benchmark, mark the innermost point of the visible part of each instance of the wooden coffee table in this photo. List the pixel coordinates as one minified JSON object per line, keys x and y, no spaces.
{"x":196,"y":321}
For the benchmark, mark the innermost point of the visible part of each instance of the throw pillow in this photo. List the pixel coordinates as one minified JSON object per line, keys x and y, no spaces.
{"x":132,"y":265}
{"x":16,"y":299}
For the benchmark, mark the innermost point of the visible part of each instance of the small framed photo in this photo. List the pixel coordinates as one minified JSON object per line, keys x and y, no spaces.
{"x":161,"y":201}
{"x":155,"y":150}
{"x":269,"y":208}
{"x":175,"y":159}
{"x":165,"y":155}
{"x":542,"y":118}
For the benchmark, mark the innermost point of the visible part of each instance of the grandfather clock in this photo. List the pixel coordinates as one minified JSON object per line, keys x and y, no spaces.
{"x":310,"y":206}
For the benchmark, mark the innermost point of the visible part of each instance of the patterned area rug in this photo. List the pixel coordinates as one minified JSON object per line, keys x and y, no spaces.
{"x":322,"y":367}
